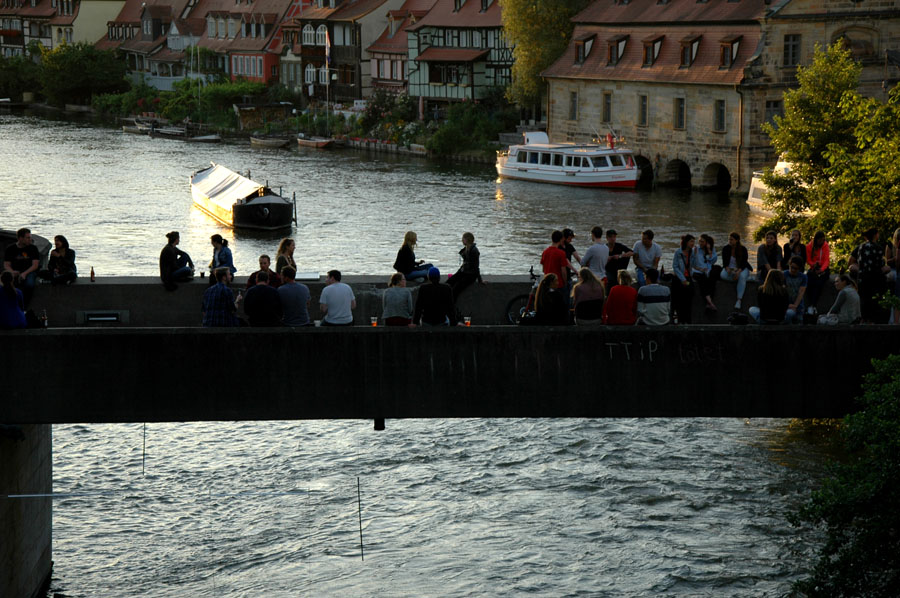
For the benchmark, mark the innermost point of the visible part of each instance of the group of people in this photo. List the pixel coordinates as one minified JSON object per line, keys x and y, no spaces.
{"x":791,"y":280}
{"x":21,"y":263}
{"x":275,"y":298}
{"x":593,"y":289}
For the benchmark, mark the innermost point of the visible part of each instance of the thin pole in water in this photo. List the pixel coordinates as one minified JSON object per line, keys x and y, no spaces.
{"x":359,"y":502}
{"x":144,"y":450}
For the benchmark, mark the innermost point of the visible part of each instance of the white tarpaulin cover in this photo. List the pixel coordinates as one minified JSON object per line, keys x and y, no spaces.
{"x":222,"y":186}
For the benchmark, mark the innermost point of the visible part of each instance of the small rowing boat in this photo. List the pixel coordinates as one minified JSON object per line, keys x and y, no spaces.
{"x":314,"y":142}
{"x":269,"y":142}
{"x":236,"y":201}
{"x":581,"y":165}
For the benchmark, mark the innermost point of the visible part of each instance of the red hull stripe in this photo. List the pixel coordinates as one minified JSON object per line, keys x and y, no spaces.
{"x":615,"y":184}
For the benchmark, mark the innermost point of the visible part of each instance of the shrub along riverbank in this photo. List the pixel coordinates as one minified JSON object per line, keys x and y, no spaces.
{"x":468,"y":126}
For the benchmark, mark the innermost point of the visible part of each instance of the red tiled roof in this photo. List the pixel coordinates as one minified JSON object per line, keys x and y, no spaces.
{"x":355,"y":9}
{"x":136,"y":44}
{"x":397,"y":43}
{"x":672,"y":12}
{"x":39,"y":10}
{"x":314,"y":13}
{"x":168,"y":55}
{"x":107,"y":44}
{"x":66,"y":19}
{"x":433,"y":54}
{"x":469,"y":15}
{"x":159,"y":12}
{"x":132,"y":9}
{"x":667,"y":67}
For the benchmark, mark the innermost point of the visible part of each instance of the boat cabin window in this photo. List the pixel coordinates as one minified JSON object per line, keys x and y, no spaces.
{"x":533,"y":158}
{"x":585,"y":162}
{"x":601,"y":162}
{"x":616,"y":160}
{"x":557,"y":160}
{"x":573,"y":161}
{"x":522,"y":157}
{"x":545,"y":159}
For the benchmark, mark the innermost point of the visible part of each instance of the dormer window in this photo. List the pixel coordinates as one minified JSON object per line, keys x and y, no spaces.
{"x":689,"y":47}
{"x":652,"y":46}
{"x":457,"y":4}
{"x":615,"y":49}
{"x":583,"y":47}
{"x":485,"y":4}
{"x":728,"y":51}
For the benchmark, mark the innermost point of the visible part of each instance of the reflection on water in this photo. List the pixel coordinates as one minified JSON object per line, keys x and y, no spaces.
{"x":115,"y":196}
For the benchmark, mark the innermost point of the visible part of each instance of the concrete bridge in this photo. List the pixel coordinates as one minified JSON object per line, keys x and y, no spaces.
{"x":122,"y":370}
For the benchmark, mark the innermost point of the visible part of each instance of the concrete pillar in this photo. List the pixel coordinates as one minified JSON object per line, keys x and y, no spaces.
{"x":26,"y":467}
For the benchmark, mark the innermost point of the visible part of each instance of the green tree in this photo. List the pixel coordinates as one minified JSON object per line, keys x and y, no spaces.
{"x":844,"y":153}
{"x":74,"y":73}
{"x":539,"y":33}
{"x":18,"y":74}
{"x":857,"y":505}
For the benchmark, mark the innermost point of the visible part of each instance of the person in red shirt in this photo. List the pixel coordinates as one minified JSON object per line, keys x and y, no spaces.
{"x":620,"y":308}
{"x":554,"y":260}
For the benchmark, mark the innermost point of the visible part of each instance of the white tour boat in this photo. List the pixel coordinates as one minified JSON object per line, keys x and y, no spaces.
{"x":583,"y":165}
{"x":758,"y":190}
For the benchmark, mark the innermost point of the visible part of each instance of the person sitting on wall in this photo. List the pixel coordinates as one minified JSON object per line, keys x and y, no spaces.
{"x":588,"y":296}
{"x":222,"y":257}
{"x":769,"y":256}
{"x":434,"y":305}
{"x":21,"y":259}
{"x":653,"y":300}
{"x":397,"y":302}
{"x":620,"y":308}
{"x":61,"y":268}
{"x":174,"y":265}
{"x":796,"y":282}
{"x":646,"y":256}
{"x":294,"y":299}
{"x":470,"y":269}
{"x":218,"y":308}
{"x":337,"y":301}
{"x":263,"y":303}
{"x":551,"y":306}
{"x":597,"y":255}
{"x":12,"y":304}
{"x":846,"y":305}
{"x":406,"y":262}
{"x":773,"y":300}
{"x":265,"y":263}
{"x":736,"y":266}
{"x":619,"y":257}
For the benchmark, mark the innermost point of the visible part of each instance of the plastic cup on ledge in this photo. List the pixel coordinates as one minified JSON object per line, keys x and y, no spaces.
{"x":467,"y":320}
{"x":374,"y":321}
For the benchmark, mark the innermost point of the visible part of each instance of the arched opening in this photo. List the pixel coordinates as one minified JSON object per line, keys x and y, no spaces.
{"x":716,"y":176}
{"x":677,"y":174}
{"x":645,"y":180}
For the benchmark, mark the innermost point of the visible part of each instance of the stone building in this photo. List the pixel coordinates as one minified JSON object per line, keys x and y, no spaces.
{"x":693,"y":81}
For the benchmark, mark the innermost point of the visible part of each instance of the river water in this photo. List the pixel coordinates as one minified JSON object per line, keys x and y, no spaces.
{"x":447,"y":508}
{"x":115,"y":195}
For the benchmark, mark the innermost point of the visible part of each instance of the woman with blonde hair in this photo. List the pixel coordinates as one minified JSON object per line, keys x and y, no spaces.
{"x":397,"y":302}
{"x":773,"y":300}
{"x":285,"y":255}
{"x":406,"y":262}
{"x":588,"y":298}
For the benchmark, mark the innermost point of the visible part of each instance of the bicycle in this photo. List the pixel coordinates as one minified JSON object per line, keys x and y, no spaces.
{"x":520,"y":305}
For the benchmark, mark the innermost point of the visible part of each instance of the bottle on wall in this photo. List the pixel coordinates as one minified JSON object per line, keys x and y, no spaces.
{"x":93,"y":278}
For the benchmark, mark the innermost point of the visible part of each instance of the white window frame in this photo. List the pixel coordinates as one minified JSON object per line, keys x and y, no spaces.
{"x":309,"y":35}
{"x":309,"y":75}
{"x":321,"y":32}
